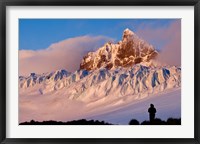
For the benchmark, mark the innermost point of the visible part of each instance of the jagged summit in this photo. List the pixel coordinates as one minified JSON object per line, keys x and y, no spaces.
{"x":127,"y":34}
{"x":131,"y":50}
{"x":128,"y":31}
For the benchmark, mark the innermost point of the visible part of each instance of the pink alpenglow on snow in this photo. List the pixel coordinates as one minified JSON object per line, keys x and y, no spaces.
{"x":93,"y":78}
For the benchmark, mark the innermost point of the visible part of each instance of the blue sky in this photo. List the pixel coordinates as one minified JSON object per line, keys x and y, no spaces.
{"x":35,"y":34}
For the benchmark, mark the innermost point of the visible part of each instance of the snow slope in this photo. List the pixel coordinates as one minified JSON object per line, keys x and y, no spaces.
{"x":61,"y":95}
{"x":119,"y":111}
{"x":168,"y":104}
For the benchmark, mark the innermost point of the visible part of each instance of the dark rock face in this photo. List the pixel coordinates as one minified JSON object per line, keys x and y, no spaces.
{"x":131,"y":50}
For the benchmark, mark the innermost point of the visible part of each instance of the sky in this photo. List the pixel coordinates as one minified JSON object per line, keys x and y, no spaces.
{"x":50,"y":44}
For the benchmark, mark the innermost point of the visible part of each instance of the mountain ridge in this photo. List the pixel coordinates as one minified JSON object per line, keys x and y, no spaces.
{"x":93,"y":85}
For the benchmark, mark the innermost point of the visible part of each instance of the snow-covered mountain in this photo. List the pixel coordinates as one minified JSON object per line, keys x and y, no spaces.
{"x":131,"y":50}
{"x":93,"y":85}
{"x":106,"y":78}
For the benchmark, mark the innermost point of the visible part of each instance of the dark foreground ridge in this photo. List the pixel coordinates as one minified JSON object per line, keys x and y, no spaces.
{"x":74,"y":122}
{"x":156,"y":121}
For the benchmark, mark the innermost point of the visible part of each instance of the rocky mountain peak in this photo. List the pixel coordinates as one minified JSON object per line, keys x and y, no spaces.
{"x":126,"y":53}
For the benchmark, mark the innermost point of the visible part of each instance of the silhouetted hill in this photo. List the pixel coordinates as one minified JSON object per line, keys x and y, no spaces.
{"x":157,"y":121}
{"x":74,"y":122}
{"x":134,"y":122}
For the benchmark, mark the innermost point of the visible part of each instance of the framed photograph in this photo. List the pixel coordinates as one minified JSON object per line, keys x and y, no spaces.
{"x":99,"y":72}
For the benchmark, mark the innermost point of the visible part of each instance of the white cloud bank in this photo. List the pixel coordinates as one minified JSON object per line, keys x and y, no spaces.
{"x":66,"y":54}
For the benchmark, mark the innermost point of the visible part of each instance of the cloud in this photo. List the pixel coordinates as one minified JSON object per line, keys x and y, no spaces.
{"x":166,"y":39}
{"x":66,"y":54}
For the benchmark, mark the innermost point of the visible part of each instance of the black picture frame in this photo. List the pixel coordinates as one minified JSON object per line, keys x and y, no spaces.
{"x":5,"y":3}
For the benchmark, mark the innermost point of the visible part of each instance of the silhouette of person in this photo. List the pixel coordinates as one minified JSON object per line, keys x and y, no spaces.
{"x":152,"y":112}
